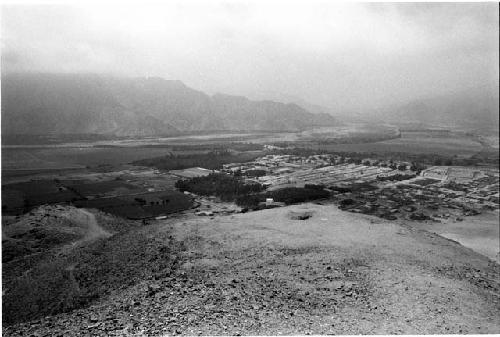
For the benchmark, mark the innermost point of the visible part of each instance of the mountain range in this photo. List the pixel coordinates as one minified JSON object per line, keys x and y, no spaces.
{"x":475,"y":109}
{"x":34,"y":103}
{"x":41,"y":104}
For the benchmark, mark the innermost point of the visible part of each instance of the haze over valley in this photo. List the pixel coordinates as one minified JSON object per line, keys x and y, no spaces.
{"x":250,"y":168}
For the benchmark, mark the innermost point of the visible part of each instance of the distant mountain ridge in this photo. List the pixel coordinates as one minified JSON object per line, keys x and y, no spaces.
{"x":292,"y":99}
{"x":474,"y":109}
{"x":87,"y":103}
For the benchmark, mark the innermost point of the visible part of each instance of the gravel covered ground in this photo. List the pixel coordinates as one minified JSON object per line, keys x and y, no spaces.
{"x":265,"y":273}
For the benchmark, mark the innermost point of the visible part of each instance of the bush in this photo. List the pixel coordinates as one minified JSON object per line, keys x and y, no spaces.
{"x":250,"y":201}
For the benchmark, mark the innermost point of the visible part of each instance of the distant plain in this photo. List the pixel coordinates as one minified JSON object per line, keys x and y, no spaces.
{"x":115,"y":152}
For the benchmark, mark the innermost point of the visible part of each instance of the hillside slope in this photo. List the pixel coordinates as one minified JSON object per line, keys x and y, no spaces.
{"x":87,"y":103}
{"x":266,"y":273}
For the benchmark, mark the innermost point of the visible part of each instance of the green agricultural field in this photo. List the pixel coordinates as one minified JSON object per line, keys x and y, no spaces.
{"x":113,"y":196}
{"x":73,"y":157}
{"x":416,"y":143}
{"x":104,"y":187}
{"x":139,"y":206}
{"x":20,"y":197}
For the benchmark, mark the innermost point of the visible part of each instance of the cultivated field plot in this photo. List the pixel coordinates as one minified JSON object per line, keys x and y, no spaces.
{"x":140,"y":206}
{"x":50,"y":157}
{"x":441,"y":143}
{"x":164,"y":181}
{"x":32,"y":159}
{"x":101,"y":188}
{"x":20,"y":197}
{"x":420,"y":142}
{"x":113,"y":196}
{"x":349,"y":131}
{"x":191,"y":172}
{"x":12,"y":199}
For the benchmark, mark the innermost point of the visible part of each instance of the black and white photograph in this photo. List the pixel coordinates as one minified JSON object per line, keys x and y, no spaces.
{"x":249,"y":168}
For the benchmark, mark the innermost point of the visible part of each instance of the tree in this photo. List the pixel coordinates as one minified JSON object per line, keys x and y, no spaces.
{"x":222,"y":185}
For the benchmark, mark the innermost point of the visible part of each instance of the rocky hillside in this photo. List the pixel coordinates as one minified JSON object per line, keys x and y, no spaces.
{"x":259,"y":273}
{"x":95,"y":104}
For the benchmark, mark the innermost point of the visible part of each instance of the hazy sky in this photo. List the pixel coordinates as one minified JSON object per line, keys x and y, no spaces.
{"x":346,"y":56}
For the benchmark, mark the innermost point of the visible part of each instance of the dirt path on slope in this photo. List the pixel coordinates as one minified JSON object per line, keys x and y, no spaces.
{"x":87,"y":221}
{"x":94,"y":231}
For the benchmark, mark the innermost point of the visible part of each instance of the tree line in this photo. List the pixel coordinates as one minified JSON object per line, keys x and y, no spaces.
{"x":248,"y":195}
{"x":212,"y":160}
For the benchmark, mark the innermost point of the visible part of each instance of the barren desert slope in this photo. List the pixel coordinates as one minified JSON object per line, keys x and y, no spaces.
{"x":267,"y":273}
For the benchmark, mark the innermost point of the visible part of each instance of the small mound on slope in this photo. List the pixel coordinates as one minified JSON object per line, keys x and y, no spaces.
{"x":45,"y":228}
